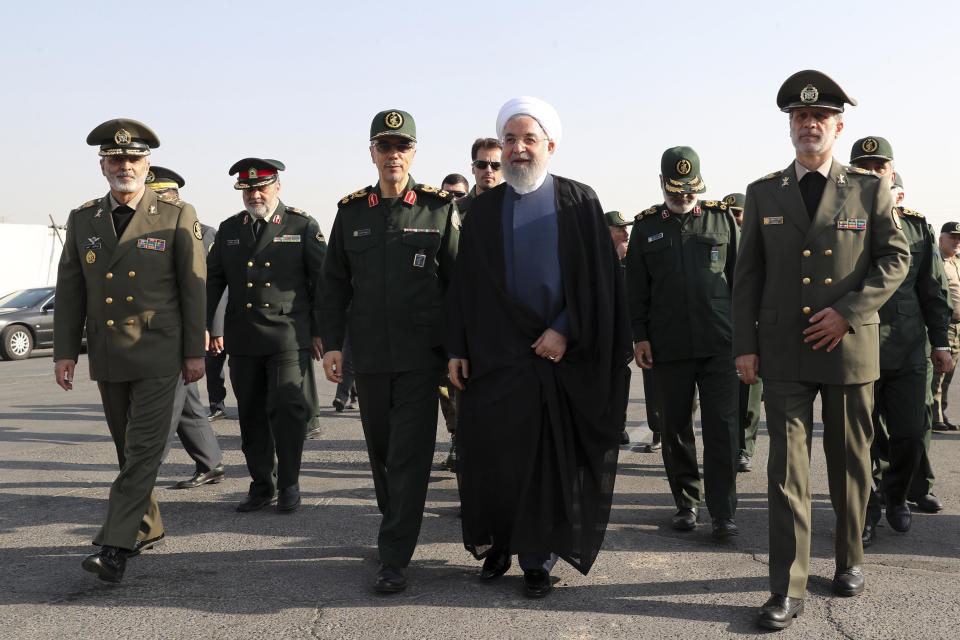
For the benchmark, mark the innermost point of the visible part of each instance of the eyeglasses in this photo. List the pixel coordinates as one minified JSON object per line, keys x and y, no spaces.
{"x":528,"y":140}
{"x":483,"y":164}
{"x":388,"y":147}
{"x":457,"y":194}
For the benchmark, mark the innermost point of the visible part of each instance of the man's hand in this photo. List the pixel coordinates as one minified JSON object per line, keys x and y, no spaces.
{"x":317,"y":348}
{"x":748,"y":365}
{"x":458,"y":370}
{"x":333,"y":366}
{"x":643,"y":354}
{"x":206,"y":340}
{"x":216,"y":345}
{"x":193,"y":369}
{"x":550,"y":345}
{"x":942,"y":361}
{"x":63,"y":370}
{"x":827,"y":327}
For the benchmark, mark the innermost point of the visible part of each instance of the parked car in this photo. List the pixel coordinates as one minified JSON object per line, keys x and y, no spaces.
{"x":26,"y":322}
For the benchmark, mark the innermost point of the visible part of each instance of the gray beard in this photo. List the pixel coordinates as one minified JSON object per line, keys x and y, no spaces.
{"x":523,"y":179}
{"x":257,"y":211}
{"x":125,"y":187}
{"x":682,"y":209}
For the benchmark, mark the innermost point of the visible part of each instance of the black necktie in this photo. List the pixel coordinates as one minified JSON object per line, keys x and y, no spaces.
{"x":811,"y":188}
{"x":258,"y":226}
{"x":121,"y":218}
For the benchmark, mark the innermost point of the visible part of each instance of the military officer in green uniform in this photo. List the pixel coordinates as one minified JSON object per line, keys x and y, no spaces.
{"x":269,"y":255}
{"x":751,"y":395}
{"x":821,"y":252}
{"x":132,"y":272}
{"x":391,"y":256}
{"x":621,"y":238}
{"x":679,"y":270}
{"x":914,"y":320}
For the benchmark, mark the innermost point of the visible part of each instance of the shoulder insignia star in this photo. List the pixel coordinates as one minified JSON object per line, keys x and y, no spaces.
{"x":911,"y":212}
{"x":362,"y":193}
{"x":299,"y":212}
{"x":425,"y":188}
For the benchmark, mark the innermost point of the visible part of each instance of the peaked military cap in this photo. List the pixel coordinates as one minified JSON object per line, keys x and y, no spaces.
{"x":734,"y":200}
{"x":256,"y":172}
{"x":123,"y":136}
{"x":160,"y":179}
{"x":616,"y":219}
{"x":680,"y":168}
{"x":871,"y":147}
{"x":393,"y":122}
{"x":811,"y":88}
{"x":897,"y":180}
{"x":953,"y":228}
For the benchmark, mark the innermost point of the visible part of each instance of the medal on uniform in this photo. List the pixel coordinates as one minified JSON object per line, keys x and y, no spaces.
{"x":91,"y":257}
{"x":420,"y":259}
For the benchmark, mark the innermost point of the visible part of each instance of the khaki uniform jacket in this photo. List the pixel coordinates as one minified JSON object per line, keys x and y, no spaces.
{"x":385,"y":277}
{"x":679,"y":274}
{"x":141,"y":296}
{"x":921,"y":306}
{"x":273,"y":282}
{"x":851,"y":257}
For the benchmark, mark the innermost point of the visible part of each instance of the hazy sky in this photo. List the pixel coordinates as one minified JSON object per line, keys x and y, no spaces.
{"x":300,"y":81}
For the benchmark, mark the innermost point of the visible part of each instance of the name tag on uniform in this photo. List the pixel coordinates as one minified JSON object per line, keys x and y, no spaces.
{"x":420,"y":260}
{"x":409,"y":230}
{"x":287,"y":238}
{"x":654,"y":237}
{"x":359,"y":233}
{"x":153,"y":244}
{"x":773,"y":220}
{"x":853,"y":224}
{"x":232,"y":241}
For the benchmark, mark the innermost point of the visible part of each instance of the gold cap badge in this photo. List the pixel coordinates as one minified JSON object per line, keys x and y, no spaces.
{"x":869,"y":145}
{"x":809,"y":94}
{"x":122,"y":137}
{"x":150,"y":177}
{"x":393,"y":120}
{"x":683,"y":166}
{"x":730,"y":200}
{"x":252,"y":172}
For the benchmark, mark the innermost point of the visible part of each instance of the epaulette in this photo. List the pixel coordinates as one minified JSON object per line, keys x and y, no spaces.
{"x":769,"y":175}
{"x":910,"y":212}
{"x":299,"y":212}
{"x":170,"y":199}
{"x":439,"y":193}
{"x":239,"y":215}
{"x":853,"y":169}
{"x":362,"y":193}
{"x":713,"y":204}
{"x":646,"y":212}
{"x":88,"y":204}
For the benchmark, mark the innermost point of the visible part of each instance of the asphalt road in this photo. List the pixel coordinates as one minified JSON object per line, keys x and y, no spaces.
{"x":222,"y":574}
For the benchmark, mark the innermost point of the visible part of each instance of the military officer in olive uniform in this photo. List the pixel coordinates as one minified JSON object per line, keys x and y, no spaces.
{"x":132,"y":272}
{"x":269,"y":255}
{"x":820,"y":254}
{"x":912,"y":321}
{"x":391,"y":257}
{"x":679,"y":270}
{"x":751,"y":395}
{"x":190,"y":421}
{"x":621,"y":237}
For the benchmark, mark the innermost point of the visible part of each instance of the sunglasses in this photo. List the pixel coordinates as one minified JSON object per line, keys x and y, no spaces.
{"x":456,"y":194}
{"x":483,"y":164}
{"x":386,"y":147}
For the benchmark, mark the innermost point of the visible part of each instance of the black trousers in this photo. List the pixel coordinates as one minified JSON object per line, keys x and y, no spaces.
{"x":192,"y":426}
{"x":216,"y":389}
{"x":399,"y":416}
{"x":272,"y":396}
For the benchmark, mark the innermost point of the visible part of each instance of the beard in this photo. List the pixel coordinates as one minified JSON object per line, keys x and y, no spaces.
{"x":524,"y":178}
{"x":812,"y":147}
{"x":258,"y":209}
{"x":118,"y":184}
{"x":678,"y":206}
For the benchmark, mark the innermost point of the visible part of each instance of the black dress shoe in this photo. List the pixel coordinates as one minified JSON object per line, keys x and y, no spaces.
{"x":928,"y":503}
{"x":255,"y":503}
{"x":725,"y":528}
{"x":108,"y":564}
{"x":685,"y":519}
{"x":495,"y":565}
{"x":849,"y":581}
{"x":624,"y":437}
{"x":213,"y":476}
{"x":338,"y":405}
{"x":744,"y":464}
{"x":216,"y":414}
{"x":536,"y":583}
{"x":289,"y":499}
{"x":950,"y":426}
{"x":869,"y":535}
{"x":779,"y":611}
{"x":655,"y":444}
{"x":145,"y":545}
{"x":899,"y":516}
{"x":390,"y":580}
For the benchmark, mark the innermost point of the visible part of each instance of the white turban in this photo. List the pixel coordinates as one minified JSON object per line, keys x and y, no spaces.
{"x":535,"y":108}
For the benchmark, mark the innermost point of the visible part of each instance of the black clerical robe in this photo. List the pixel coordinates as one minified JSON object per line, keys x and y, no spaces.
{"x":537,"y":441}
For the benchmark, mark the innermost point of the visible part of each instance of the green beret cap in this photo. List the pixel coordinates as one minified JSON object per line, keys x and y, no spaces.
{"x":811,"y":88}
{"x":393,"y":122}
{"x":734,"y":200}
{"x":123,"y":136}
{"x":897,"y":180}
{"x":871,"y":147}
{"x":256,"y":172}
{"x":616,"y":219}
{"x":680,"y":168}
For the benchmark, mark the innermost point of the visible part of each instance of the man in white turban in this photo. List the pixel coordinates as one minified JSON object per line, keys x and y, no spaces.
{"x":538,"y":336}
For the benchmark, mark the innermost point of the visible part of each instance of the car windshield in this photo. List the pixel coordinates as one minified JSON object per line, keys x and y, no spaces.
{"x":24,"y":299}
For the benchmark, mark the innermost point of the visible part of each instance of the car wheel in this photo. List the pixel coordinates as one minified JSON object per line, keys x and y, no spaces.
{"x":17,"y":343}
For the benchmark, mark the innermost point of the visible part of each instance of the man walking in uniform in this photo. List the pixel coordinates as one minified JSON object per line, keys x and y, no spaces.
{"x":621,"y":237}
{"x":392,"y":250}
{"x":679,"y":269}
{"x":270,"y":256}
{"x":132,"y":272}
{"x":820,"y":255}
{"x":949,"y":247}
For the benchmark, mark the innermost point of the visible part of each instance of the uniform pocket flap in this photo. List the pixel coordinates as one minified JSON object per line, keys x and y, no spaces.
{"x":360,"y":243}
{"x":713,"y":238}
{"x":421,"y":239}
{"x":908,"y":308}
